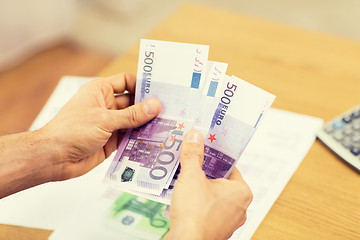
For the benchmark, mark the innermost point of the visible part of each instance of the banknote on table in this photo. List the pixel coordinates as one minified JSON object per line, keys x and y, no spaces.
{"x":137,"y":216}
{"x":194,"y":93}
{"x":110,"y":214}
{"x":148,"y":156}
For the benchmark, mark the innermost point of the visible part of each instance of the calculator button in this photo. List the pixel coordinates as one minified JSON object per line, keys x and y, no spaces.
{"x":328,"y":129}
{"x":348,"y":130}
{"x":356,"y":114}
{"x":346,"y":142}
{"x":347,"y":119}
{"x":356,"y":126}
{"x":338,"y":136}
{"x":338,"y":124}
{"x":355,"y":150}
{"x":356,"y":138}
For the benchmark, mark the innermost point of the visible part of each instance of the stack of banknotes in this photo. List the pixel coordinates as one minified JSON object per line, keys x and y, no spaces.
{"x":195,"y":93}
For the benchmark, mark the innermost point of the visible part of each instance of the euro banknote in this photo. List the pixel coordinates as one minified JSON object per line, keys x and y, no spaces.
{"x":111,"y":214}
{"x":139,"y":217}
{"x":195,"y":94}
{"x":148,"y":156}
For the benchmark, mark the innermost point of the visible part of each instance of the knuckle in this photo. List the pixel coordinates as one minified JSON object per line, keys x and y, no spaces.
{"x":244,"y":194}
{"x":242,"y":219}
{"x":247,"y":195}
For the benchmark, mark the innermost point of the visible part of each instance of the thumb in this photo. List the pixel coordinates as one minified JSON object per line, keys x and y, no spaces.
{"x":192,"y":152}
{"x":135,"y":115}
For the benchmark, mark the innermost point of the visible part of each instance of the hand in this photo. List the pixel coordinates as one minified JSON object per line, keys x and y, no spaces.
{"x":203,"y":208}
{"x":85,"y":131}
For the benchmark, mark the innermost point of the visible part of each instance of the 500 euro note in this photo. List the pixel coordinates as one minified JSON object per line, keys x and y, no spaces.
{"x":148,"y":156}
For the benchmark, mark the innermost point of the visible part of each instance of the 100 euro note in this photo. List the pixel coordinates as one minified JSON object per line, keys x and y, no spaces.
{"x":148,"y":156}
{"x":110,"y":214}
{"x":236,"y":115}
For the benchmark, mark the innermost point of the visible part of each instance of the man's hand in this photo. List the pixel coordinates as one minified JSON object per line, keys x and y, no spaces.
{"x":203,"y":208}
{"x":85,"y":131}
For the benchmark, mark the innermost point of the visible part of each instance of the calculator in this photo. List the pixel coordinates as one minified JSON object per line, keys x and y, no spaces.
{"x":342,"y":135}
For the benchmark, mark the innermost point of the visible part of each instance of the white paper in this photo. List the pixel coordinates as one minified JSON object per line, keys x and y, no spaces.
{"x":271,"y":158}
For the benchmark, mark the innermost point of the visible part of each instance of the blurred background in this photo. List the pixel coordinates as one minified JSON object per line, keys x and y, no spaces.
{"x":42,"y":40}
{"x":110,"y":27}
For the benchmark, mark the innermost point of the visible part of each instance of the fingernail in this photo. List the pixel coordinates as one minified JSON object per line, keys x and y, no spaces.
{"x":151,"y":107}
{"x":193,"y":136}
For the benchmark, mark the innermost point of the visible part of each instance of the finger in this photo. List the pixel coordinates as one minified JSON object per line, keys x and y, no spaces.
{"x":192,"y":152}
{"x":122,"y":82}
{"x":235,"y":175}
{"x":133,"y":116}
{"x":124,"y":100}
{"x":111,"y":144}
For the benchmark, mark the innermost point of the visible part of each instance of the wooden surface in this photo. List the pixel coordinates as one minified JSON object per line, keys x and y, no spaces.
{"x":309,"y":73}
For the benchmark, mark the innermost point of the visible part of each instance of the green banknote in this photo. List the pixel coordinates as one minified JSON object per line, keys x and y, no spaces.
{"x":138,"y":217}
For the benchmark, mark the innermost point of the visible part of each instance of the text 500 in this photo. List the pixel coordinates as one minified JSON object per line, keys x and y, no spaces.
{"x":165,"y":157}
{"x":226,"y":100}
{"x":148,"y":61}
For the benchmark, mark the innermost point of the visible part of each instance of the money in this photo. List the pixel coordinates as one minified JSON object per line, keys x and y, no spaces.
{"x":148,"y":156}
{"x":138,"y":217}
{"x":111,"y":214}
{"x":179,"y":64}
{"x":195,"y":94}
{"x":215,"y":76}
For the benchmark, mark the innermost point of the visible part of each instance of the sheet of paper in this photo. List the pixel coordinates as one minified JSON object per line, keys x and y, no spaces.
{"x":270,"y":160}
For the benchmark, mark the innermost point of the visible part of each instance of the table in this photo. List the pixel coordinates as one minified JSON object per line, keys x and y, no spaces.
{"x":310,"y":73}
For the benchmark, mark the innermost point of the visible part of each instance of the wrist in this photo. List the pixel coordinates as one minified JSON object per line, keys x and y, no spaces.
{"x":186,"y":231}
{"x":26,"y":160}
{"x":49,"y":154}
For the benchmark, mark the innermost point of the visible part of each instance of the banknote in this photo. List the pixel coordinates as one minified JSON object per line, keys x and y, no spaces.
{"x":173,"y":63}
{"x":215,"y":75}
{"x":138,"y":217}
{"x":240,"y":109}
{"x":147,"y":157}
{"x":111,"y":214}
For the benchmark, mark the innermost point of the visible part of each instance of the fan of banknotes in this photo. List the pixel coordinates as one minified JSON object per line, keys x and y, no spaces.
{"x":195,"y":94}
